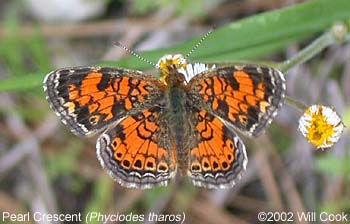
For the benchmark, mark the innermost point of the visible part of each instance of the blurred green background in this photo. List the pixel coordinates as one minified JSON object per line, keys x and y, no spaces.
{"x":45,"y":168}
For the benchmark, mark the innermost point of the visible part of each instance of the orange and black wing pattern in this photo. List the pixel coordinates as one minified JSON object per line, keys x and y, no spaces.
{"x":89,"y":99}
{"x":218,"y":156}
{"x":137,"y":153}
{"x":246,"y":97}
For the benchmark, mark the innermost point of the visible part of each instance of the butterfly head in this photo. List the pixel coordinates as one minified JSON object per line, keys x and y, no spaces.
{"x":170,"y":63}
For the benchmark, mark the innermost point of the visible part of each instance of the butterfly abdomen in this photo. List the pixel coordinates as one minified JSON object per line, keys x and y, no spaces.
{"x":178,"y":129}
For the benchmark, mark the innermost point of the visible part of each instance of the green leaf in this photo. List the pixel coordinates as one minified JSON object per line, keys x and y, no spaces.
{"x":334,"y":206}
{"x":346,"y":116}
{"x":249,"y":38}
{"x":38,"y":53}
{"x":100,"y":197}
{"x":337,"y":166}
{"x":63,"y":163}
{"x":21,"y":83}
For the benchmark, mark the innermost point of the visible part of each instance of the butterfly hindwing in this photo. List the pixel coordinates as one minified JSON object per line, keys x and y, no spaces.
{"x":218,"y":157}
{"x":136,"y":152}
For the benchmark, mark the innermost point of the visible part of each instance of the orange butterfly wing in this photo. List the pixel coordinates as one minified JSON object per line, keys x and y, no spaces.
{"x":89,"y":99}
{"x":137,"y":152}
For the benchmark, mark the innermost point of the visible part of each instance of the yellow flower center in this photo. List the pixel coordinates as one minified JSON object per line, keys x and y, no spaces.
{"x":170,"y":62}
{"x":319,"y":130}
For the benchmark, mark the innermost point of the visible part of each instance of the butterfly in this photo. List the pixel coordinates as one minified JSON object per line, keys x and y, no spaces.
{"x":184,"y":122}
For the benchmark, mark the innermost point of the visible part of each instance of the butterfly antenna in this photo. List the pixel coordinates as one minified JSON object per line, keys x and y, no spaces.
{"x":135,"y":54}
{"x":199,"y":42}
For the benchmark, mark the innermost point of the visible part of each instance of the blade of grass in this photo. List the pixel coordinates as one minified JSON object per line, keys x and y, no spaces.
{"x":38,"y":52}
{"x":337,"y":166}
{"x":248,"y":38}
{"x":99,"y":199}
{"x":254,"y":33}
{"x":11,"y":46}
{"x":21,"y":83}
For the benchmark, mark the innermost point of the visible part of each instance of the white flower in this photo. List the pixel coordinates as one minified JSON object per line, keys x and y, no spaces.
{"x":321,"y":126}
{"x":192,"y":70}
{"x":182,"y":66}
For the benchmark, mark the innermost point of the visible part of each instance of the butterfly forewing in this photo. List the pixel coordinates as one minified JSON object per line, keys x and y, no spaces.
{"x":89,"y":99}
{"x":245,"y":97}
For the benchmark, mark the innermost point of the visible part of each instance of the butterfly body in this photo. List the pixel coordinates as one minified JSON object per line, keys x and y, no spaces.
{"x":178,"y":115}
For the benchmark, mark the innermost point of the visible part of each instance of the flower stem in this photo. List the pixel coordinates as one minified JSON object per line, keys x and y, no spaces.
{"x":292,"y":102}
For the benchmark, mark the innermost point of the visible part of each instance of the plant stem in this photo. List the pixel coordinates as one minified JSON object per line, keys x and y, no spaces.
{"x":296,"y":104}
{"x":338,"y":33}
